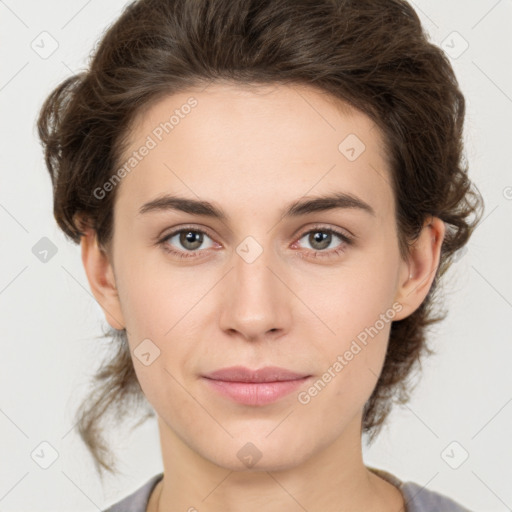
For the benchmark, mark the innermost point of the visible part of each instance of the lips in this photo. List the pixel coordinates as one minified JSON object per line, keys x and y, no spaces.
{"x":267,"y":374}
{"x":255,"y":387}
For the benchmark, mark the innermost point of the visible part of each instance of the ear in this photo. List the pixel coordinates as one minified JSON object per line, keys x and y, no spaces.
{"x":100,"y":275}
{"x":418,"y":272}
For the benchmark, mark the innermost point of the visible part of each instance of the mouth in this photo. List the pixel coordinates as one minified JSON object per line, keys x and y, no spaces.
{"x":255,"y":387}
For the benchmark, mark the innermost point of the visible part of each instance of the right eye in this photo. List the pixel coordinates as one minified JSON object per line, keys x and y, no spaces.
{"x":189,"y":238}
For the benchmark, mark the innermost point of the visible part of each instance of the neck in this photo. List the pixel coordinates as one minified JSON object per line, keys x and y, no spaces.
{"x":333,"y":480}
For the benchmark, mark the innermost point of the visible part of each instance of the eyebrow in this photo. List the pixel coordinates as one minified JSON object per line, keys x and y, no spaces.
{"x":295,"y":209}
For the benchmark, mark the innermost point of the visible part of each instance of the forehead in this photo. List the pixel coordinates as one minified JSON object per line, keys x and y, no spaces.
{"x":234,"y":144}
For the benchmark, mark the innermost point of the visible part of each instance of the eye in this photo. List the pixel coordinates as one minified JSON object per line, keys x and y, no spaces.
{"x":321,"y":238}
{"x":189,"y":239}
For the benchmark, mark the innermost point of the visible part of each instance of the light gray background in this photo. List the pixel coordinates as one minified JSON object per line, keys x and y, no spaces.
{"x":49,"y":319}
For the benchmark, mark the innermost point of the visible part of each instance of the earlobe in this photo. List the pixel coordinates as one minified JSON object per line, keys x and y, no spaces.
{"x":101,"y":278}
{"x":417,"y":274}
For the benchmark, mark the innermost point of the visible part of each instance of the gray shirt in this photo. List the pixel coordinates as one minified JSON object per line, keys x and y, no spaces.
{"x":416,"y":498}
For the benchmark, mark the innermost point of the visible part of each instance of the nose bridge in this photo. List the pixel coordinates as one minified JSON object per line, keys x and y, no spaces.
{"x":252,"y":262}
{"x":255,"y":299}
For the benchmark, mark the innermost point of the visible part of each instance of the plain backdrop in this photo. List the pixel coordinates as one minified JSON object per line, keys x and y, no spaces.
{"x":454,"y":435}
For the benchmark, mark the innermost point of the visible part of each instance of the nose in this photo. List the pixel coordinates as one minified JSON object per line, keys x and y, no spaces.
{"x":256,"y":301}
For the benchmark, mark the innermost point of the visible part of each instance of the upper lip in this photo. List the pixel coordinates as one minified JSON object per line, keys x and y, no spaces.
{"x":266,"y":374}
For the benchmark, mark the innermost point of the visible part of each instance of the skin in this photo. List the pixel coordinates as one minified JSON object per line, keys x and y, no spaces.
{"x":251,"y":151}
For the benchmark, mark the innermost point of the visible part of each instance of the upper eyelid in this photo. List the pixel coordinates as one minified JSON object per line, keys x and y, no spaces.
{"x":185,"y":228}
{"x":337,"y":231}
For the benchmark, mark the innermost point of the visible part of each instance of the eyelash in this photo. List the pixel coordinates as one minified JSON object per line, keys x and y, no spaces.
{"x":346,"y":241}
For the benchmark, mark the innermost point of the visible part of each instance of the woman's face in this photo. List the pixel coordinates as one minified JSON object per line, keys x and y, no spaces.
{"x":260,"y":286}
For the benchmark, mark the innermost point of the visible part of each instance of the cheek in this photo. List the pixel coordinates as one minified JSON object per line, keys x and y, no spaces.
{"x":154,"y":298}
{"x":348,"y":299}
{"x":350,"y":330}
{"x":160,"y":309}
{"x":349,"y":373}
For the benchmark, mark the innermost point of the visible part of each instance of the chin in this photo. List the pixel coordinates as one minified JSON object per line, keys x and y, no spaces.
{"x":253,"y":455}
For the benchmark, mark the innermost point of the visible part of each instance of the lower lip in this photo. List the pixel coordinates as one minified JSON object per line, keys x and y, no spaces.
{"x":252,"y":393}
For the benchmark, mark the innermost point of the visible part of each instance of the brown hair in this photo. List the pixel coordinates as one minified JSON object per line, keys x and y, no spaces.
{"x":371,"y":54}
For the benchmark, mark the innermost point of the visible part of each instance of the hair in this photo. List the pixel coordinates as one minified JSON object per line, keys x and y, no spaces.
{"x":372,"y":55}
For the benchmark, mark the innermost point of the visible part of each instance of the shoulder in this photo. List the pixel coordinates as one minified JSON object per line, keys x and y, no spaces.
{"x":138,"y":500}
{"x":419,"y":499}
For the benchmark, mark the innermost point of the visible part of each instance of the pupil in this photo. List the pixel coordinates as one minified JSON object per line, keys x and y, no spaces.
{"x":191,"y":237}
{"x":323,"y":237}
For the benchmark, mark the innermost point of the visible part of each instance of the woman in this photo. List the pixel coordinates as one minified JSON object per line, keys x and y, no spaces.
{"x":267,"y":194}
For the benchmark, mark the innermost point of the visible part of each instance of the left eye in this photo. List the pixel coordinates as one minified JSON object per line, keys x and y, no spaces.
{"x":322,"y":238}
